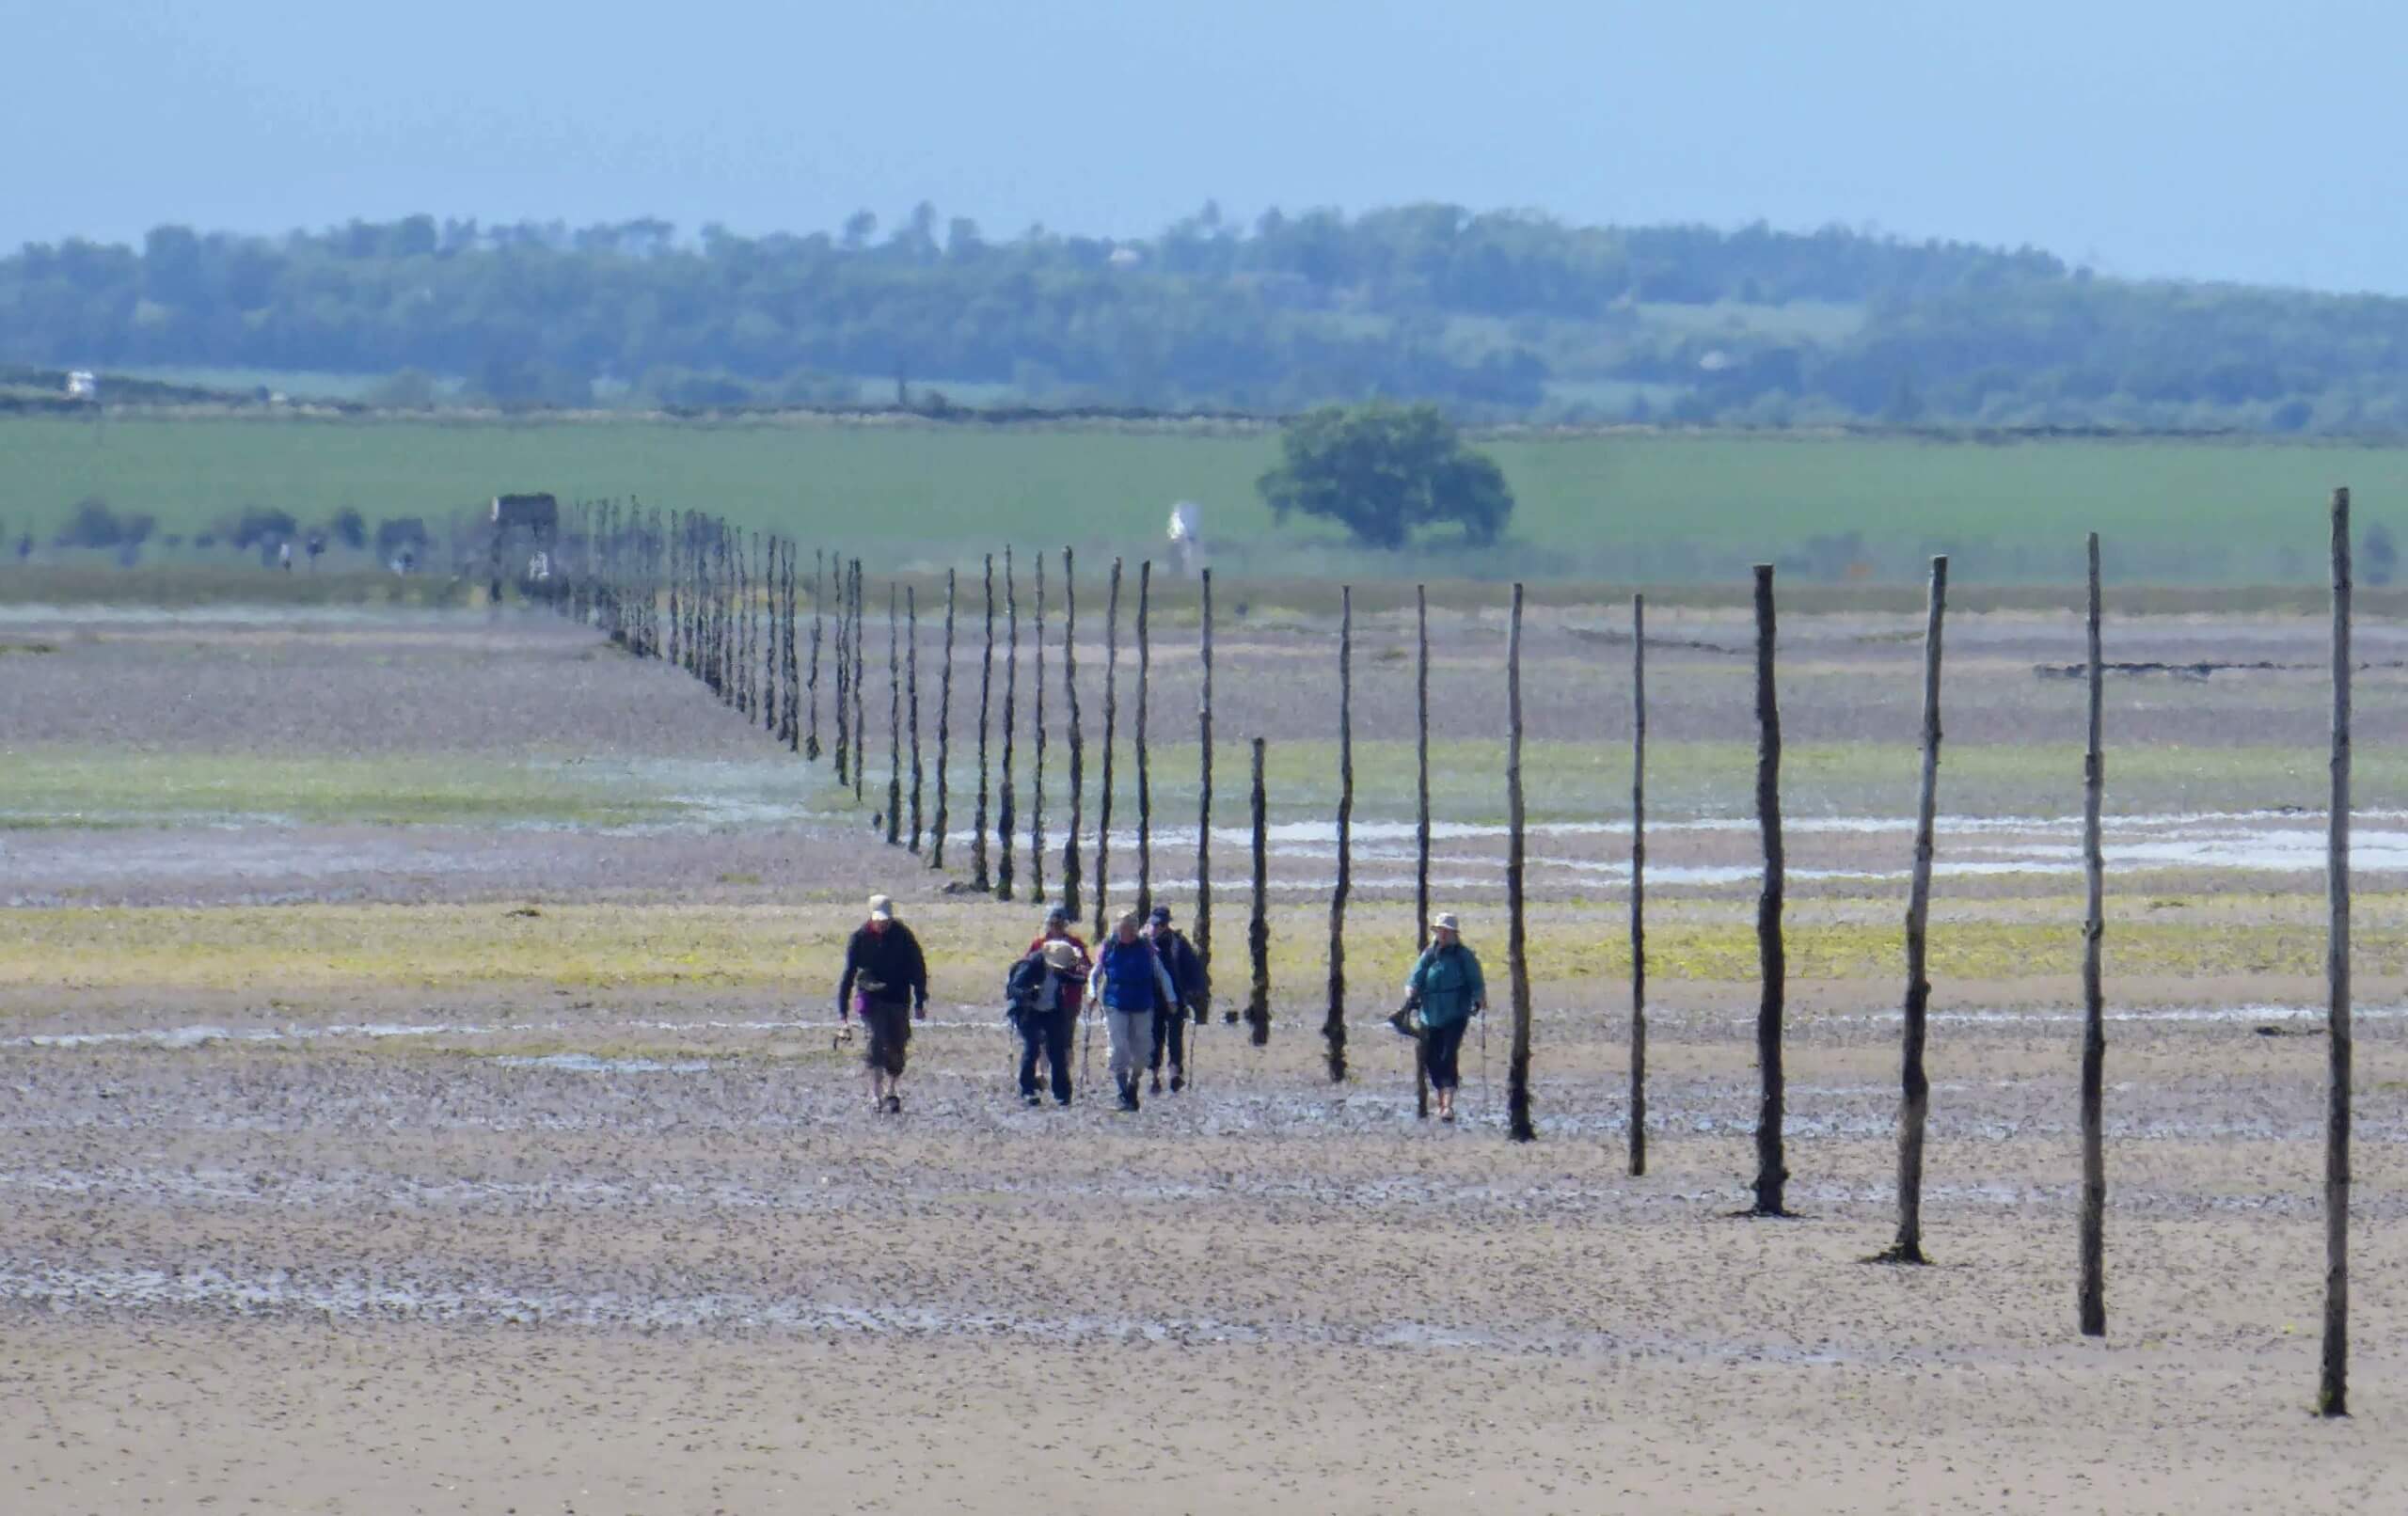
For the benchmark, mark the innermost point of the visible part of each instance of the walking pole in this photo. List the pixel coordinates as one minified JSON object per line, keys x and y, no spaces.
{"x":1487,"y":1111}
{"x":1087,"y":1049}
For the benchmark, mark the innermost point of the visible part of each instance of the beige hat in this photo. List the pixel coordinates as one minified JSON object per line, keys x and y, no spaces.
{"x":1062,"y":954}
{"x":1128,"y":918}
{"x":1444,"y":922}
{"x":882,"y":908}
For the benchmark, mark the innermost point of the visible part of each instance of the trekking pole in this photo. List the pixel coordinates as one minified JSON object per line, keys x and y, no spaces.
{"x":1487,"y":1111}
{"x":1086,"y":1050}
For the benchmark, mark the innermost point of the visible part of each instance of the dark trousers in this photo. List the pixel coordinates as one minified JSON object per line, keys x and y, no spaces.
{"x":1445,"y":1045}
{"x":1047,"y":1033}
{"x":1170,"y":1029}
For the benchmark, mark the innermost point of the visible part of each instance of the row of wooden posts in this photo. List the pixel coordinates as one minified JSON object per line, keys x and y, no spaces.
{"x":725,"y":605}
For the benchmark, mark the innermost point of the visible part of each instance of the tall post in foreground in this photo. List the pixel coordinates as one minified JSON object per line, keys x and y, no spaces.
{"x":1204,"y":803}
{"x":1258,"y":932}
{"x":1638,"y":885}
{"x":794,"y":663}
{"x":1037,"y":781}
{"x":1111,"y":719}
{"x":944,"y":728}
{"x":1333,"y":1026}
{"x":894,"y":724}
{"x":1517,"y":1071}
{"x":2333,"y":1392}
{"x":844,"y":675}
{"x":2094,"y":993}
{"x":818,"y":603}
{"x":1421,"y":824}
{"x":1772,"y":1169}
{"x":912,"y":698}
{"x":1004,"y":819}
{"x":1914,"y":1086}
{"x":1144,"y":770}
{"x":1078,"y":738}
{"x":978,"y":880}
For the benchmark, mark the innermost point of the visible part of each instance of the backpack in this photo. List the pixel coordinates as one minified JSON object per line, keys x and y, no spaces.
{"x":1025,"y":985}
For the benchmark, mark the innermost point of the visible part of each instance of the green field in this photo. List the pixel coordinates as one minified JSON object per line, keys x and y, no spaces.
{"x":1665,"y":509}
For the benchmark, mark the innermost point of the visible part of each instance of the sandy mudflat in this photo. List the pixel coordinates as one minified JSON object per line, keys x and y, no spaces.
{"x":332,"y":1180}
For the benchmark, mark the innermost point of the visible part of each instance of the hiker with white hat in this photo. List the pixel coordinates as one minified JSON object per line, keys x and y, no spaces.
{"x":1058,"y":929}
{"x":886,"y":980}
{"x":1447,"y":989}
{"x":1043,"y":990}
{"x":1129,"y":982}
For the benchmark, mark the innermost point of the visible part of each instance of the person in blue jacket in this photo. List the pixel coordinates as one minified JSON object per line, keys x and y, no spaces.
{"x":1128,"y":984}
{"x":1447,"y":985}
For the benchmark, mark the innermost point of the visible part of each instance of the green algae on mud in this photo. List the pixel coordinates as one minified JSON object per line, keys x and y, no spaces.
{"x":307,"y":950}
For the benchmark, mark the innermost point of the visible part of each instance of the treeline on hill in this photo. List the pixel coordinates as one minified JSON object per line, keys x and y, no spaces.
{"x":1498,"y":316}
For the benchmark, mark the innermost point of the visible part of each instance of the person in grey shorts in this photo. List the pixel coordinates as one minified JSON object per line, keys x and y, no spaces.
{"x":886,"y":980}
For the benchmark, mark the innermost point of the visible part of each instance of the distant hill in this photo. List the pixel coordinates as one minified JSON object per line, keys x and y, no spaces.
{"x":1499,"y":315}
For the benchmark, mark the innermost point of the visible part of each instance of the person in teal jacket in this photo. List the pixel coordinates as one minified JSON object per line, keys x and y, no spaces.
{"x":1446,"y":984}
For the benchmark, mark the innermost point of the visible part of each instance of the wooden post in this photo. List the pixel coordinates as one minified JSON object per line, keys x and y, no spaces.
{"x":676,"y":567}
{"x":844,"y":673}
{"x":2094,"y":992}
{"x":818,"y":605}
{"x":1333,"y":1026}
{"x":1772,"y":1172}
{"x":1638,"y":885}
{"x":945,"y":727}
{"x":1204,"y":802}
{"x":2333,"y":1392}
{"x":1258,"y":934}
{"x":794,"y":663}
{"x":1145,"y":782}
{"x":912,"y":698}
{"x":1004,"y":816}
{"x":979,"y":878}
{"x":1111,"y":721}
{"x":1421,"y":824}
{"x":1037,"y":780}
{"x":1914,"y":1099}
{"x":1517,"y":1071}
{"x":1078,"y":737}
{"x":769,"y":651}
{"x":860,"y":729}
{"x":894,"y":725}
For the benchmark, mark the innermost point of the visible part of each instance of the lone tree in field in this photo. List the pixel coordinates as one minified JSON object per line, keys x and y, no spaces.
{"x":1382,"y":470}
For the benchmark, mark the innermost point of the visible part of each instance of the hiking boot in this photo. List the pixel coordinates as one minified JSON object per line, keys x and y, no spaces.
{"x":1177,"y":1080}
{"x":894,"y":1105}
{"x":1129,"y":1096}
{"x":1030,"y":1100}
{"x":1158,"y":1081}
{"x":1402,"y":1022}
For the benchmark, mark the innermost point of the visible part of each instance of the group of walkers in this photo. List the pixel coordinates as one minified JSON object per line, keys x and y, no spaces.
{"x":1145,"y":981}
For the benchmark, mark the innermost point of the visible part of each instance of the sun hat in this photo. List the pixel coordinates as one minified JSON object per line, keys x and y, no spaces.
{"x":1060,"y":953}
{"x":1444,"y":922}
{"x":882,"y":908}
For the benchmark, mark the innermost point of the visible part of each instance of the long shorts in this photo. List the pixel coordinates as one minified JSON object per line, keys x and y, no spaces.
{"x":890,"y":1035}
{"x":1446,"y":1046}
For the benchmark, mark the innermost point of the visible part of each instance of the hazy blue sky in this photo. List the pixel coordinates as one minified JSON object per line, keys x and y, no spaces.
{"x":2207,"y":139}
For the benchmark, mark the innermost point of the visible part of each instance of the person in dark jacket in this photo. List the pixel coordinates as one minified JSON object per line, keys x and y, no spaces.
{"x":1058,"y":929}
{"x":886,"y":979}
{"x":1186,"y":972}
{"x":1129,"y":983}
{"x":1043,"y":989}
{"x":1446,"y":986}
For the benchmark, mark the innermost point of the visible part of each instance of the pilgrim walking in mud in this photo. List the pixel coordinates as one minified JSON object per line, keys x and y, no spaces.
{"x":1130,"y":985}
{"x":1442,"y":995}
{"x":886,"y":981}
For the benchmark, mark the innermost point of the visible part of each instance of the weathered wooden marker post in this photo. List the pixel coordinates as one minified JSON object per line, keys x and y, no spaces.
{"x":1004,"y":816}
{"x":2093,"y":1292}
{"x":1145,"y":772}
{"x":1421,"y":824}
{"x":1333,"y":1026}
{"x":911,"y":696}
{"x":818,"y":605}
{"x":945,"y":727}
{"x":893,"y":723}
{"x":1204,"y":798}
{"x":1077,"y":736}
{"x":1772,"y":1170}
{"x":1638,"y":885}
{"x":1037,"y":780}
{"x":1914,"y":1086}
{"x":1258,"y":932}
{"x":1517,"y":1070}
{"x":1111,"y":721}
{"x":2333,"y":1390}
{"x":843,"y":674}
{"x":860,"y":729}
{"x":979,"y":877}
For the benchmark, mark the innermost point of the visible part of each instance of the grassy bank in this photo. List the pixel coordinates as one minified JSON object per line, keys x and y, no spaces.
{"x":1662,"y":508}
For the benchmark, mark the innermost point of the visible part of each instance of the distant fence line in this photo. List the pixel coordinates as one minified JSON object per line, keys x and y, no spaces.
{"x":688,"y":588}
